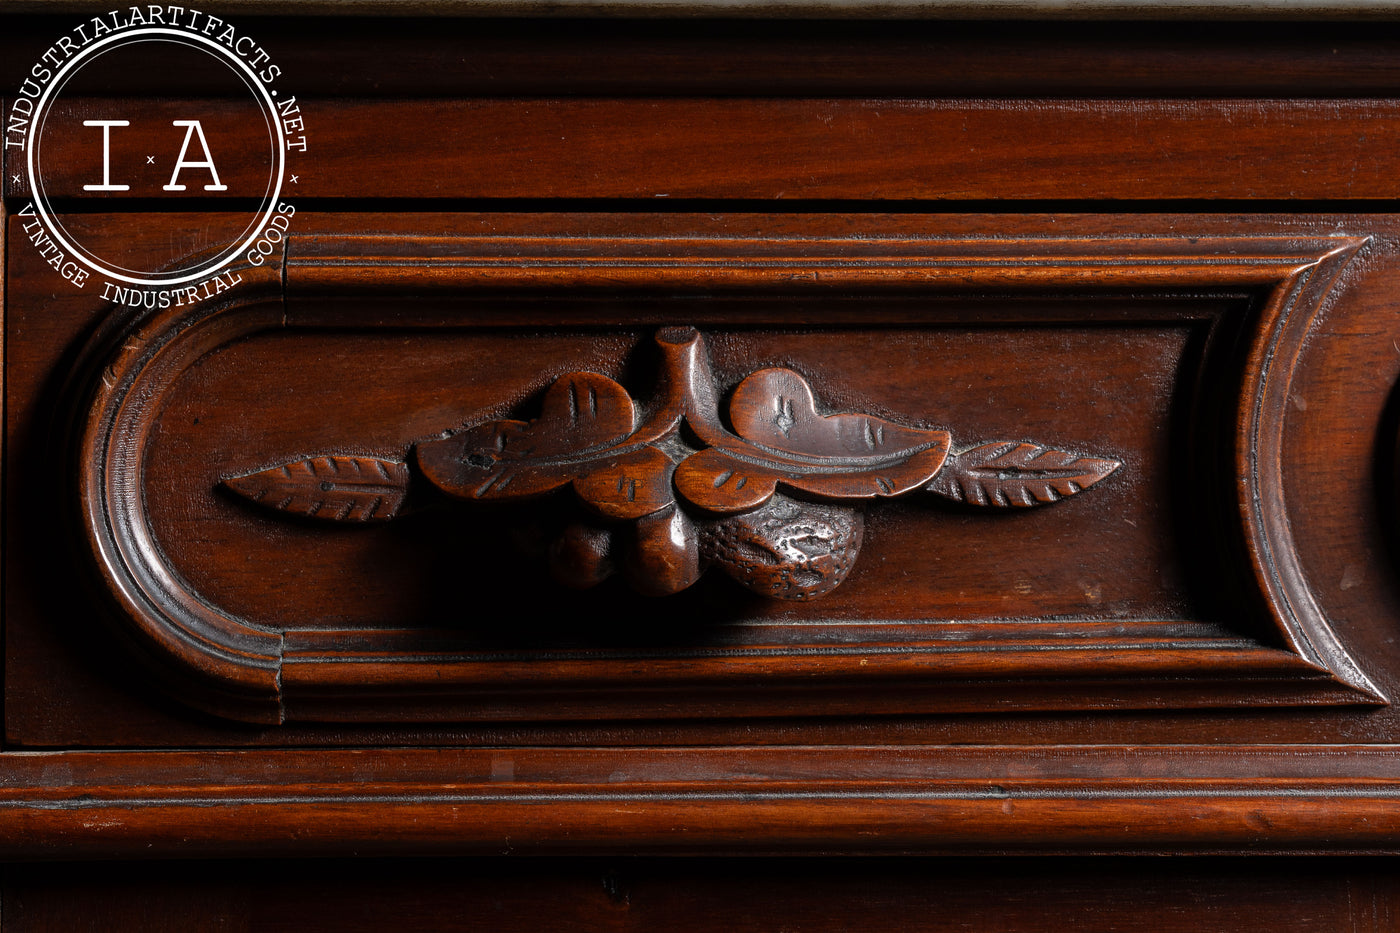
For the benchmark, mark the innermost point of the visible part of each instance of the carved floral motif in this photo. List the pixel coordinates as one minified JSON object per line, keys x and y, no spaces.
{"x":773,"y":503}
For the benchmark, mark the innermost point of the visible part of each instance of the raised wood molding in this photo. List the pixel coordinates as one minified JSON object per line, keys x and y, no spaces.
{"x":250,"y":669}
{"x":1189,"y":799}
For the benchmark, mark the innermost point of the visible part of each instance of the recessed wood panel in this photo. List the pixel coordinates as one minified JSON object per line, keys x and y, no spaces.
{"x":1127,"y":351}
{"x":1232,"y":638}
{"x":399,"y":387}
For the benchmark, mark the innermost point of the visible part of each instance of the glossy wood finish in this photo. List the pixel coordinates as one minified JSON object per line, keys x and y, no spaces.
{"x":448,"y":58}
{"x":315,"y":669}
{"x":875,"y":150}
{"x":311,"y":314}
{"x":1147,"y":247}
{"x":1185,"y":799}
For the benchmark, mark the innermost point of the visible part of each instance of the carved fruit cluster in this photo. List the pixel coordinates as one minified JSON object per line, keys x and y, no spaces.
{"x":668,"y":503}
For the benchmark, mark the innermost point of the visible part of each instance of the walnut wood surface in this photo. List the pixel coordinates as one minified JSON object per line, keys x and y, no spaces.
{"x":64,"y":714}
{"x":444,"y":57}
{"x":1188,"y":799}
{"x":1196,"y":656}
{"x":288,"y":664}
{"x":861,"y":149}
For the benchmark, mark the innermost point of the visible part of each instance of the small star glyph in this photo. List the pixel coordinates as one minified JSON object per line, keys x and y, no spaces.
{"x":294,"y":179}
{"x":150,"y":160}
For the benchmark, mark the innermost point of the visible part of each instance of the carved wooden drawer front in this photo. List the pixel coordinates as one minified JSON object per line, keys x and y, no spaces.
{"x":582,"y":471}
{"x":836,"y":485}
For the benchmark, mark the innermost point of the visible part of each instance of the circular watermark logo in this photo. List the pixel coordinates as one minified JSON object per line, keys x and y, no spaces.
{"x":196,"y":168}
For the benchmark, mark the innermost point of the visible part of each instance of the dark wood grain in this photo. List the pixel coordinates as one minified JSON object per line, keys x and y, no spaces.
{"x":871,"y":149}
{"x":1189,"y":799}
{"x":55,"y":716}
{"x":452,"y":57}
{"x":1193,"y":657}
{"x":296,"y":670}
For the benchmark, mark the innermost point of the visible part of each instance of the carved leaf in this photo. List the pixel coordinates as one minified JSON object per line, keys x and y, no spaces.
{"x":628,"y":486}
{"x":333,"y":488}
{"x":783,"y":440}
{"x":724,"y":482}
{"x":480,"y":463}
{"x":776,"y":408}
{"x":1010,"y":474}
{"x":582,"y":412}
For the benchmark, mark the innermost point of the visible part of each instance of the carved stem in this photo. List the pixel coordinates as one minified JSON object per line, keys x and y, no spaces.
{"x":687,"y":389}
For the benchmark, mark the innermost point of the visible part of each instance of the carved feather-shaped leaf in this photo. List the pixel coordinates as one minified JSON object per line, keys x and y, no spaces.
{"x":336,"y":488}
{"x":581,"y":412}
{"x":1010,"y":474}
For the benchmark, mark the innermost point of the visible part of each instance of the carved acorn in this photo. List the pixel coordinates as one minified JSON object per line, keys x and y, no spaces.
{"x":784,"y":550}
{"x":787,"y":549}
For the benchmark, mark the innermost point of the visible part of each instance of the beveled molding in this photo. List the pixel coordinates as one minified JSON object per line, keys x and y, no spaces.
{"x":246,"y":669}
{"x":749,"y":800}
